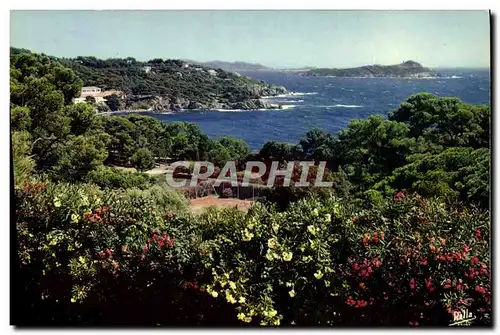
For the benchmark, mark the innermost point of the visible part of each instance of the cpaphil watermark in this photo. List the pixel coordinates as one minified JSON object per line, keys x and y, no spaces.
{"x":254,"y":170}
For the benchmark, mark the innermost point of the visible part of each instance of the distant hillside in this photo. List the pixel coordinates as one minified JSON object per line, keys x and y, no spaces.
{"x":233,"y":66}
{"x":169,"y":85}
{"x":408,"y":69}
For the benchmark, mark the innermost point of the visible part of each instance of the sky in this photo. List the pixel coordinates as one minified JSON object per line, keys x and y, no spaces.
{"x":272,"y":38}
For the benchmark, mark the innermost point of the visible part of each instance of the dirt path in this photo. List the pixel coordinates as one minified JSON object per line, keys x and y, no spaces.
{"x":199,"y":204}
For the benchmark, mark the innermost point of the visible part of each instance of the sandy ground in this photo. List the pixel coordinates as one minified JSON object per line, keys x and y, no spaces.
{"x":199,"y":204}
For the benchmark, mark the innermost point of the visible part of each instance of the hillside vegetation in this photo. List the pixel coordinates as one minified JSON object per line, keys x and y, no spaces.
{"x":169,"y":85}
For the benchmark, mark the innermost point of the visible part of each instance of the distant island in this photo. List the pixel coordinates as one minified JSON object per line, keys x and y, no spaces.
{"x":168,"y":85}
{"x":408,"y":69}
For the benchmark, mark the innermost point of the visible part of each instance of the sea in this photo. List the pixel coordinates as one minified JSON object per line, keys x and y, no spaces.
{"x":329,"y":104}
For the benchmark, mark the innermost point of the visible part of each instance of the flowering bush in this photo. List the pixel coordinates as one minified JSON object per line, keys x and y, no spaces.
{"x":123,"y":254}
{"x":409,"y":261}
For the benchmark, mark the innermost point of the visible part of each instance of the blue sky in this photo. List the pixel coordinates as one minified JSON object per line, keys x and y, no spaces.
{"x":273,"y":38}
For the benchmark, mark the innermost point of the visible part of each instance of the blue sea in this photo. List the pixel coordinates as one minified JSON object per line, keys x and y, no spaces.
{"x":329,"y":104}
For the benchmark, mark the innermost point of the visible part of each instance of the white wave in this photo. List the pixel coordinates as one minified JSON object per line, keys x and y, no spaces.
{"x":286,"y":101}
{"x":288,"y":106}
{"x":288,"y":95}
{"x":451,"y":77}
{"x":344,"y":106}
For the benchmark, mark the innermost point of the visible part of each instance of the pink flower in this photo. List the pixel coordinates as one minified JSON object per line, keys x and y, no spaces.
{"x":412,"y":284}
{"x":478,"y":234}
{"x":474,"y":260}
{"x":399,"y":197}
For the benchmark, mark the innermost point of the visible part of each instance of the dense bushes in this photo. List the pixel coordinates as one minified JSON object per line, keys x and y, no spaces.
{"x":108,"y":177}
{"x":409,"y":260}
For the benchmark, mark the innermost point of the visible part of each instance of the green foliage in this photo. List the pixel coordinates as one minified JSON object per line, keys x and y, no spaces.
{"x":20,"y":119}
{"x":78,"y":156}
{"x":23,"y":164}
{"x":108,"y":177}
{"x":142,"y":159}
{"x":181,"y":85}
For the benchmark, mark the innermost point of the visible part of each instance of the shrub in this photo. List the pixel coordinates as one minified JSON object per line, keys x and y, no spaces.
{"x":408,"y":261}
{"x":107,"y":177}
{"x":142,"y":159}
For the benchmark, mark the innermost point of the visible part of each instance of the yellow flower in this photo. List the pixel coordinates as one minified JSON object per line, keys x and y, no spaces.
{"x":247,"y":236}
{"x":289,"y":284}
{"x":292,"y":293}
{"x":287,"y":256}
{"x":269,"y":256}
{"x":232,"y":285}
{"x":315,"y":212}
{"x":276,"y":322}
{"x":302,"y":248}
{"x":242,"y":300}
{"x":272,"y":243}
{"x":275,"y":227}
{"x":318,"y":274}
{"x":247,"y":319}
{"x":214,"y":294}
{"x":311,"y":229}
{"x":241,"y":316}
{"x":57,"y":202}
{"x":230,"y":298}
{"x":327,"y":283}
{"x":272,"y":313}
{"x":328,"y":218}
{"x":75,"y":218}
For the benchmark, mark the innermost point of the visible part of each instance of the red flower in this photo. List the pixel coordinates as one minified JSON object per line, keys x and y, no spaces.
{"x":481,"y":310}
{"x":376,"y":262}
{"x":413,"y":323}
{"x":448,"y":284}
{"x":365,"y":240}
{"x":355,"y":267}
{"x":465,"y":248}
{"x":412,"y":284}
{"x":480,"y":289}
{"x":478,"y":234}
{"x":363,"y":272}
{"x":362,"y":303}
{"x":161,"y":243}
{"x":26,"y":188}
{"x":155,"y":236}
{"x":164,"y":236}
{"x":399,"y":197}
{"x":423,"y":261}
{"x":109,"y":252}
{"x":102,"y":254}
{"x":458,"y":256}
{"x":474,"y":260}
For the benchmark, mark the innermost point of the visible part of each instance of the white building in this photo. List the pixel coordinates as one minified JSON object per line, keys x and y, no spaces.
{"x":96,"y":93}
{"x":91,"y":89}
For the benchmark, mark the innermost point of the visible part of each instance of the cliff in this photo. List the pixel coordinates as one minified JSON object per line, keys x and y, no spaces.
{"x":408,"y":69}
